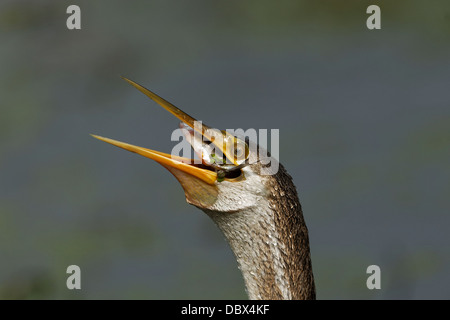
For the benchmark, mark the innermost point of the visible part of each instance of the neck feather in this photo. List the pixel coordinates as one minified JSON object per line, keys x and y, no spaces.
{"x":270,"y":242}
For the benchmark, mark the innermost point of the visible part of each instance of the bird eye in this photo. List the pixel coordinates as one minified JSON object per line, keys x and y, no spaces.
{"x":228,"y":174}
{"x":233,"y":174}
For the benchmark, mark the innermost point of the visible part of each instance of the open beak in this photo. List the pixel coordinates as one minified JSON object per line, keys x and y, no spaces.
{"x":197,"y":182}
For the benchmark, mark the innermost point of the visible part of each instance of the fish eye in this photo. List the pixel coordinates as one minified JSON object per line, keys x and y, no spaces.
{"x":240,"y":150}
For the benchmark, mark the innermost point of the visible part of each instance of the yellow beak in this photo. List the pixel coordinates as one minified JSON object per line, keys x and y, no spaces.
{"x":227,"y":140}
{"x":165,"y":160}
{"x":199,"y":184}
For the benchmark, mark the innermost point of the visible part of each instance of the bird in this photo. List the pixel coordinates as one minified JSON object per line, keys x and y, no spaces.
{"x":259,"y":214}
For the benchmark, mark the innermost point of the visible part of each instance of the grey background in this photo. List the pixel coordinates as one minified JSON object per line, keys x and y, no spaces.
{"x":364,"y":123}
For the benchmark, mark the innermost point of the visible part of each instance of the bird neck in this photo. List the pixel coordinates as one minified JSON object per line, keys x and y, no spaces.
{"x":270,"y":243}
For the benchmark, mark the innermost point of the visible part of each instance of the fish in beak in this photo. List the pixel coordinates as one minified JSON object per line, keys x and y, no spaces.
{"x":199,"y":181}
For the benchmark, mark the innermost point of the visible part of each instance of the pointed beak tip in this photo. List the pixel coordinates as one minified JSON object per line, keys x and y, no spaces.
{"x":164,"y":159}
{"x":97,"y":136}
{"x":134,"y":84}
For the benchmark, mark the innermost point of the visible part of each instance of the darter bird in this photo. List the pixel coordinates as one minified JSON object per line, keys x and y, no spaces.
{"x":259,"y":213}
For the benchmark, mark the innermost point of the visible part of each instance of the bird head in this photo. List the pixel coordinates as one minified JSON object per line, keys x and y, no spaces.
{"x":227,"y":176}
{"x":251,"y":198}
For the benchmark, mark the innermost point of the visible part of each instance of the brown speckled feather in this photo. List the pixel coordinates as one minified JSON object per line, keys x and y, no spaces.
{"x":294,"y":234}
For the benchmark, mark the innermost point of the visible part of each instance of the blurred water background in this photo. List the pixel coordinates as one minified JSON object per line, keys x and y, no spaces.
{"x":364,"y":119}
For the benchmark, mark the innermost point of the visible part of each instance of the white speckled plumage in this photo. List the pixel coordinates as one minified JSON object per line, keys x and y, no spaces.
{"x":248,"y":213}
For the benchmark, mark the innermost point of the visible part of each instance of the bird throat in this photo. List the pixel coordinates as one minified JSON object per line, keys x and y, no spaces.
{"x":270,"y":243}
